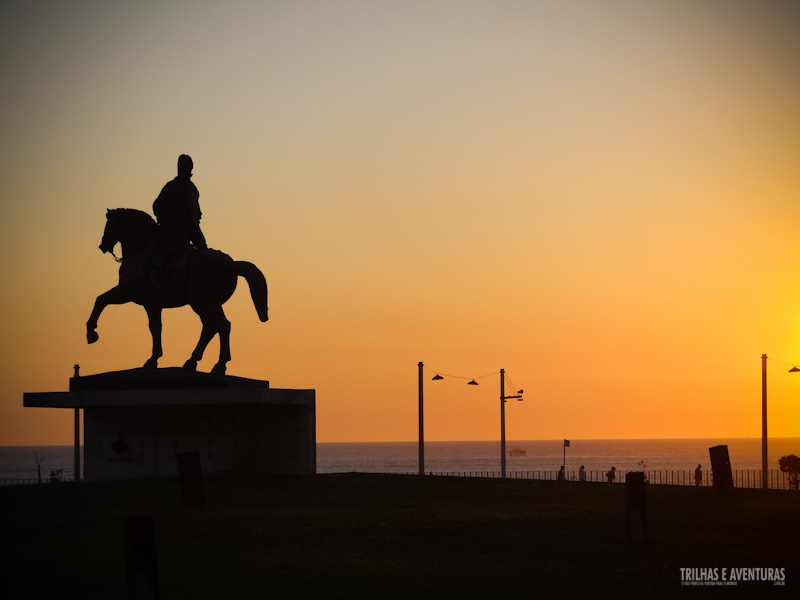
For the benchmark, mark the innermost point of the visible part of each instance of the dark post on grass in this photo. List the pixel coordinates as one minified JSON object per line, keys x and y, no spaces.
{"x":191,"y":474}
{"x":721,"y":469}
{"x":637,"y":515}
{"x":140,"y":559}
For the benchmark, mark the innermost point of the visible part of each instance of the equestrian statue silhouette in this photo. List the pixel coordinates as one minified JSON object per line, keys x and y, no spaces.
{"x":168,"y":264}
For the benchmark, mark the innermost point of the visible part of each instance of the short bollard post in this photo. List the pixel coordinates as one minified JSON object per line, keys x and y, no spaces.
{"x":191,"y":473}
{"x":637,"y":514}
{"x":140,"y":559}
{"x":721,"y":469}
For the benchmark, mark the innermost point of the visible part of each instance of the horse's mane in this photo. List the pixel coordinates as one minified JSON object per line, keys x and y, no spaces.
{"x":133,"y":214}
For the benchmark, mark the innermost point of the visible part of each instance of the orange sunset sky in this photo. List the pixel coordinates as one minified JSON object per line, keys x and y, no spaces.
{"x":601,"y":197}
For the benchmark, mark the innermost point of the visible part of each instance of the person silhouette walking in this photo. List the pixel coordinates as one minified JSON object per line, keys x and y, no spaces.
{"x":611,"y":475}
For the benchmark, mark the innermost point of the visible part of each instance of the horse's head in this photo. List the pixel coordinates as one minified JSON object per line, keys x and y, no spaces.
{"x":111,"y":234}
{"x":126,"y":226}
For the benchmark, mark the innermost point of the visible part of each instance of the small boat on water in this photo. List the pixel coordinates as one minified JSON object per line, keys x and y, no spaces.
{"x":517,"y":452}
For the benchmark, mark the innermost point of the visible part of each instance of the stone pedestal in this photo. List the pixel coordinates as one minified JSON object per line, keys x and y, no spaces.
{"x":136,"y":421}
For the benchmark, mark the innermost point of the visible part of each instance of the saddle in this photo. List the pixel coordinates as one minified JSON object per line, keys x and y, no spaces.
{"x":166,"y":270}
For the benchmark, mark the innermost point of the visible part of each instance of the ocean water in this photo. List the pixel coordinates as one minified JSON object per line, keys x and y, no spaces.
{"x":20,"y":462}
{"x":548,"y":455}
{"x":27,"y":462}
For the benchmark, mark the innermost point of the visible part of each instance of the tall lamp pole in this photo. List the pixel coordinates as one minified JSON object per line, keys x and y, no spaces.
{"x":503,"y":399}
{"x":764,"y":459}
{"x":503,"y":423}
{"x":421,"y":425}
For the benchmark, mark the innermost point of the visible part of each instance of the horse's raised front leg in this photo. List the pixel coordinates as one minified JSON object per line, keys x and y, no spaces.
{"x":154,"y":321}
{"x":116,"y":295}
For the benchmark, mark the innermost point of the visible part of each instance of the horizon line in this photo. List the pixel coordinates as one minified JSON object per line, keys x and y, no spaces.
{"x":560,"y":440}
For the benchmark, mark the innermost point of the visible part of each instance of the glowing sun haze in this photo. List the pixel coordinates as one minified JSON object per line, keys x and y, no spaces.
{"x":599,"y":197}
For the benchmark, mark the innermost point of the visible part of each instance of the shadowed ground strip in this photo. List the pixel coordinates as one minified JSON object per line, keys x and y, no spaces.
{"x":394,"y":536}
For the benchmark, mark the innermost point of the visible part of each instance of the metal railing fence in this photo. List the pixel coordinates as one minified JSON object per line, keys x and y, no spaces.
{"x":742,"y":478}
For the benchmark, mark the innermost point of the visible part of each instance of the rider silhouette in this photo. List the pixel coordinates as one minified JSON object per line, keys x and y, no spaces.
{"x":177,"y":211}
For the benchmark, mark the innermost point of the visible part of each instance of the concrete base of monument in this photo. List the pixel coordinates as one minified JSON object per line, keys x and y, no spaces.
{"x":136,"y":421}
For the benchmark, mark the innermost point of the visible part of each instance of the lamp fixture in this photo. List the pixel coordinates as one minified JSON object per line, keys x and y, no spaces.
{"x":437,"y":377}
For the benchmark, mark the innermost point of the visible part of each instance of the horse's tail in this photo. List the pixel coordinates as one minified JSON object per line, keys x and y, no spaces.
{"x":258,"y":286}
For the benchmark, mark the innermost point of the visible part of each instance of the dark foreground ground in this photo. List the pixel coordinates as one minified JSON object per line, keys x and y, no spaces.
{"x":390,"y":536}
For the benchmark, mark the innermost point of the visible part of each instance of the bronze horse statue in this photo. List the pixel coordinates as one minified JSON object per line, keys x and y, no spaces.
{"x":203,"y":279}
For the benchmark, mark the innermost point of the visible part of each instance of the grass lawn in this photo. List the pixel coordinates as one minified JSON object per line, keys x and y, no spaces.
{"x":391,"y":536}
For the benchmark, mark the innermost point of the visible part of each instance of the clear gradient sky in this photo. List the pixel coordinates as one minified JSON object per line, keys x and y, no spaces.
{"x":601,"y":197}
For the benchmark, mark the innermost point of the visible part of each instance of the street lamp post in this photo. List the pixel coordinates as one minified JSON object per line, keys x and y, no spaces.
{"x":421,"y":425}
{"x":764,"y":459}
{"x":503,"y":399}
{"x":503,"y":423}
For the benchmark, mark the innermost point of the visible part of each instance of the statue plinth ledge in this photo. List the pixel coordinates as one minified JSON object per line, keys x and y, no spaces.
{"x":136,"y":421}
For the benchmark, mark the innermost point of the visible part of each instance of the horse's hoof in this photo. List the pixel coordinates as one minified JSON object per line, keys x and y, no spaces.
{"x":92,"y":337}
{"x":151,"y":363}
{"x":190,"y":365}
{"x":219,"y":369}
